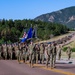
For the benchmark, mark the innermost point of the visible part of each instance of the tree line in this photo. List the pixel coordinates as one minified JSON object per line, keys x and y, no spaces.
{"x":12,"y":30}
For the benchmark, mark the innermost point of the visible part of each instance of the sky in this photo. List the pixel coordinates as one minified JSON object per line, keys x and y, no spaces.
{"x":29,"y":9}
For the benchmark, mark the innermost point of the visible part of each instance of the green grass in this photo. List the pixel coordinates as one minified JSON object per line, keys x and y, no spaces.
{"x":65,"y":48}
{"x":64,"y":55}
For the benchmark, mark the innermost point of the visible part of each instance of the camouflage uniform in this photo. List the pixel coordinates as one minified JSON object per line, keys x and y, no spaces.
{"x":59,"y":52}
{"x":25,"y":54}
{"x":14,"y":51}
{"x":49,"y":52}
{"x":54,"y":52}
{"x":46,"y":55}
{"x":5,"y":48}
{"x":10,"y":52}
{"x":41,"y":53}
{"x":69,"y":52}
{"x":31,"y":54}
{"x":17,"y":52}
{"x":20,"y":55}
{"x":37,"y":49}
{"x":0,"y":51}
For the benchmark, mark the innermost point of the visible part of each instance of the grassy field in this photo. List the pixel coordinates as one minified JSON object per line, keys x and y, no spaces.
{"x":55,"y":38}
{"x":72,"y":44}
{"x":64,"y":55}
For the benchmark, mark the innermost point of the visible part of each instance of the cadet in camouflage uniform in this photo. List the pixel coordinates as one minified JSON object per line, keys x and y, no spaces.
{"x":54,"y":52}
{"x":17,"y":52}
{"x":5,"y":48}
{"x":25,"y":53}
{"x":0,"y":50}
{"x":59,"y":50}
{"x":42,"y":53}
{"x":69,"y":52}
{"x":49,"y":52}
{"x":31,"y":54}
{"x":13,"y":51}
{"x":46,"y":55}
{"x":20,"y":54}
{"x":37,"y":53}
{"x":10,"y":51}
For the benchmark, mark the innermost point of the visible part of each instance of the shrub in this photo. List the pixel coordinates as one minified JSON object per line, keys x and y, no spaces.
{"x":65,"y":48}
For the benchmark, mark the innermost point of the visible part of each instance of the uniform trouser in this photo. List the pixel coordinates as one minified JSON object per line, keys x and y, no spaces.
{"x":54,"y":60}
{"x":5,"y":55}
{"x":31,"y":59}
{"x":42,"y":58}
{"x":19,"y":58}
{"x":17,"y":53}
{"x":51,"y":60}
{"x":37,"y":55}
{"x":25,"y":57}
{"x":59,"y":56}
{"x":47,"y":60}
{"x":16,"y":56}
{"x":10,"y":55}
{"x":69,"y":56}
{"x":0,"y":55}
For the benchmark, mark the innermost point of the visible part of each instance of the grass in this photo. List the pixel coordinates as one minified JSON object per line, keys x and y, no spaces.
{"x":55,"y":38}
{"x":72,"y":44}
{"x":64,"y":55}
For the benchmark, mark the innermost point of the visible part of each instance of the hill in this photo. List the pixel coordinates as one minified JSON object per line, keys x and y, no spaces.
{"x":64,"y":16}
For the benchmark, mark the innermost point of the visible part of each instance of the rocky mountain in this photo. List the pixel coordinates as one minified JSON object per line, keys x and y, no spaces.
{"x":64,"y":16}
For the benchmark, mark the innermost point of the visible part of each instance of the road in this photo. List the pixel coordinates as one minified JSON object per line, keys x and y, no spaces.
{"x":12,"y":67}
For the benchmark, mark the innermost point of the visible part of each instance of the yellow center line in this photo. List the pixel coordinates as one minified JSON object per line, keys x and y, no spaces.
{"x":54,"y":70}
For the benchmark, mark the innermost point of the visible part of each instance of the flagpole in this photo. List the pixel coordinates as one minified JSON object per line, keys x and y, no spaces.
{"x":35,"y":29}
{"x":31,"y":25}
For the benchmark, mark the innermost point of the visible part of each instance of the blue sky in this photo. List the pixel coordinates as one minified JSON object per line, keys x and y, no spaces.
{"x":29,"y":9}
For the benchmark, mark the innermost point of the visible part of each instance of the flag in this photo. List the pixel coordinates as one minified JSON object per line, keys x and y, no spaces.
{"x":29,"y":35}
{"x":24,"y":35}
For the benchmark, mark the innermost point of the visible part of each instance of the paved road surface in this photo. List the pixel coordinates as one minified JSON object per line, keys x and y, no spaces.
{"x":12,"y":67}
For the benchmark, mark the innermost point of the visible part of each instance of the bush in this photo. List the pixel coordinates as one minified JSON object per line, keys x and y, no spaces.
{"x":2,"y":41}
{"x":65,"y":48}
{"x":73,"y":49}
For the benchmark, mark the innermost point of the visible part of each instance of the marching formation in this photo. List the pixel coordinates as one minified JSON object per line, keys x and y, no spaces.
{"x":43,"y":53}
{"x":33,"y":53}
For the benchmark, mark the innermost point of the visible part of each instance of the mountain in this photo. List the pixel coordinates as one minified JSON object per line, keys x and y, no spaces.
{"x":64,"y":16}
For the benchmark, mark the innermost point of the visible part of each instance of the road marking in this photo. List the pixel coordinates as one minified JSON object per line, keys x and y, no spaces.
{"x":53,"y":70}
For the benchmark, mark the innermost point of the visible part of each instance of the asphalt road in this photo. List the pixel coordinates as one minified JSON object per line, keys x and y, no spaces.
{"x":12,"y":67}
